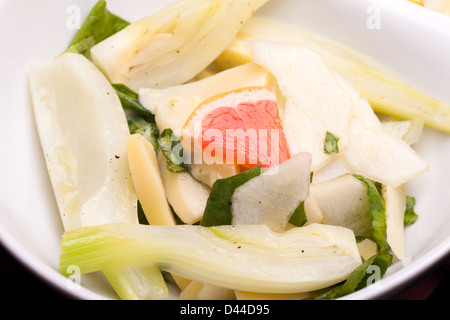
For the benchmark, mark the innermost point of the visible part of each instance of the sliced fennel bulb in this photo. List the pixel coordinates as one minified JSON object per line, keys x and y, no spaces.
{"x":173,"y":45}
{"x":245,"y":257}
{"x":82,"y":129}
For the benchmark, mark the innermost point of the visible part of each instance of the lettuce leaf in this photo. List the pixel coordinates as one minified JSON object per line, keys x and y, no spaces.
{"x":99,"y":25}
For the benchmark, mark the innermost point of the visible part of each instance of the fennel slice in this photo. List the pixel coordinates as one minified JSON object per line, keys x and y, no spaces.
{"x":82,"y":129}
{"x":245,"y":257}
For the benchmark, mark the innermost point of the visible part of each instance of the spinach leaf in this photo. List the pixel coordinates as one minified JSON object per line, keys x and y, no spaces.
{"x":218,"y":206}
{"x":410,"y":216}
{"x":173,"y":151}
{"x":377,"y":210}
{"x":146,"y":128}
{"x":370,"y":271}
{"x":141,"y":215}
{"x":130,"y":100}
{"x":299,"y":218}
{"x":99,"y":25}
{"x":331,"y":143}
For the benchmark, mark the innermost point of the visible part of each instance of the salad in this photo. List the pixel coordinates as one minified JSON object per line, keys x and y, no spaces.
{"x":227,"y":154}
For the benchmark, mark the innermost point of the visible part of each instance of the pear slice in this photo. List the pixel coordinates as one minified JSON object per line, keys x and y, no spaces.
{"x":273,"y":196}
{"x":343,"y":202}
{"x":319,"y":100}
{"x":374,"y":153}
{"x":367,"y":248}
{"x":315,"y":102}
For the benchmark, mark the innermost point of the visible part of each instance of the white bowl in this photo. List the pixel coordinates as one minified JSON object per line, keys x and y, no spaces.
{"x":414,"y":42}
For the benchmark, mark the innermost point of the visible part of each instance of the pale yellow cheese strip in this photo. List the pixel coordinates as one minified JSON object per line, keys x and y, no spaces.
{"x":147,"y":181}
{"x":146,"y":177}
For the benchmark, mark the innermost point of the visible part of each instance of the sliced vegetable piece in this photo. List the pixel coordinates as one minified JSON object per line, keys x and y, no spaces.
{"x":312,"y":210}
{"x":395,"y":203}
{"x":218,"y":206}
{"x":82,"y":129}
{"x":343,"y":201}
{"x":385,"y":91}
{"x":173,"y":45}
{"x":186,"y":195}
{"x":248,"y":258}
{"x":272,"y":197}
{"x":200,"y":291}
{"x":367,"y":248}
{"x":408,"y":130}
{"x":146,"y":177}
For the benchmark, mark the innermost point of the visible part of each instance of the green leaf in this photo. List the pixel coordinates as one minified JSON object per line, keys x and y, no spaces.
{"x":377,"y":210}
{"x":99,"y":25}
{"x":299,"y":218}
{"x":148,"y":129}
{"x":218,"y":207}
{"x":370,"y":271}
{"x":130,"y":100}
{"x":410,"y":216}
{"x":141,"y":215}
{"x":173,"y":151}
{"x":331,"y":143}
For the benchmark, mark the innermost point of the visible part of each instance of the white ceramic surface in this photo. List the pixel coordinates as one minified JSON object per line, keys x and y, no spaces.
{"x":412,"y":41}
